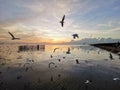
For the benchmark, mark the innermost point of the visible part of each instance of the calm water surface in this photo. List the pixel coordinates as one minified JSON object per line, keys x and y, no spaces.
{"x":37,"y":70}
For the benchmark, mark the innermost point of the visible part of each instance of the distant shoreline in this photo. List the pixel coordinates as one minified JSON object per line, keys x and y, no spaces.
{"x":112,"y":47}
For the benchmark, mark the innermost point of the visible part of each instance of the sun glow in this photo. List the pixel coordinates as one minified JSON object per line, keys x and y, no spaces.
{"x":58,"y":40}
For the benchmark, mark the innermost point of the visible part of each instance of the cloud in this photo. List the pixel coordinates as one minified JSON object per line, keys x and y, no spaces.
{"x":39,"y":19}
{"x":114,"y":30}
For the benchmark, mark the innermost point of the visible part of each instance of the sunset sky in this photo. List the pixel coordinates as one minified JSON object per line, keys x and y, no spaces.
{"x":38,"y":20}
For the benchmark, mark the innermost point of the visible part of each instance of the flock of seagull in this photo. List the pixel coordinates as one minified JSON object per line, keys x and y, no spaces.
{"x":27,"y":67}
{"x":88,"y":81}
{"x":52,"y":63}
{"x":62,"y":24}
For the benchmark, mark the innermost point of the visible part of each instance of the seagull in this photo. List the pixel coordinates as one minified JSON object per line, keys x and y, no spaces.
{"x":88,"y":81}
{"x":13,"y":37}
{"x":19,"y":77}
{"x":77,"y":62}
{"x":51,"y":63}
{"x":59,"y":60}
{"x":55,"y":49}
{"x":59,"y":75}
{"x":62,"y":22}
{"x":51,"y":79}
{"x":110,"y":56}
{"x":116,"y":79}
{"x":75,"y":36}
{"x":51,"y":56}
{"x":68,"y":52}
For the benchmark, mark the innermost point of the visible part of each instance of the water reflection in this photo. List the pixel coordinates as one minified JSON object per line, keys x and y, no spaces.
{"x":34,"y":68}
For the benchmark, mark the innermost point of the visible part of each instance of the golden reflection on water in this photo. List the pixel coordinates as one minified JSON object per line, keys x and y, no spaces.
{"x":33,"y":65}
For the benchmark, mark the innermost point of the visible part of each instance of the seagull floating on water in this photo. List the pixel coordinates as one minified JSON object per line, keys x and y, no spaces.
{"x":77,"y":62}
{"x":68,"y":51}
{"x":19,"y":77}
{"x":13,"y":37}
{"x":116,"y":79}
{"x":110,"y":56}
{"x":51,"y":79}
{"x":62,"y":22}
{"x":51,"y":56}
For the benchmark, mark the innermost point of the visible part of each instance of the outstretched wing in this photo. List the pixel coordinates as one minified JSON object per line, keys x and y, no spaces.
{"x":63,"y":18}
{"x":11,"y":34}
{"x":51,"y":63}
{"x":77,"y":36}
{"x":62,"y":24}
{"x":73,"y":36}
{"x":55,"y":49}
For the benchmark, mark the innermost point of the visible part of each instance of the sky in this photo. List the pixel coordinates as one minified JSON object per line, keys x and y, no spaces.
{"x":38,"y":20}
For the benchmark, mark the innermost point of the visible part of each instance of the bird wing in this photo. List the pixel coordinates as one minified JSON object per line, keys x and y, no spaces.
{"x":63,"y":18}
{"x":17,"y":38}
{"x":51,"y":63}
{"x":73,"y":37}
{"x":77,"y":36}
{"x":11,"y":34}
{"x":62,"y":24}
{"x":55,"y":49}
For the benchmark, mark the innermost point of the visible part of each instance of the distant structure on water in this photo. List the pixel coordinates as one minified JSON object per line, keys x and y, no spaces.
{"x":31,"y":47}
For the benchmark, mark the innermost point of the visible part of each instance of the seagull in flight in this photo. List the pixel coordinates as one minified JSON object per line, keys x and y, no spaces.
{"x":88,"y":81}
{"x":115,"y":79}
{"x":51,"y":63}
{"x":55,"y":49}
{"x":62,"y":22}
{"x":75,"y":36}
{"x":13,"y":37}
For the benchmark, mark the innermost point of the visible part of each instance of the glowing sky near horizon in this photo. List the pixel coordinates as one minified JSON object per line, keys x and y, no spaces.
{"x":38,"y":20}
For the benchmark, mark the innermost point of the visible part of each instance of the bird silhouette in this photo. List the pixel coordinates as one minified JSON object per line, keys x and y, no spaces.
{"x":13,"y":37}
{"x":51,"y":63}
{"x":19,"y":77}
{"x":88,"y":81}
{"x":110,"y":56}
{"x":62,"y":22}
{"x":75,"y":36}
{"x":77,"y":62}
{"x":51,"y":79}
{"x":55,"y":49}
{"x":68,"y":52}
{"x":59,"y":60}
{"x":116,"y":79}
{"x":51,"y":56}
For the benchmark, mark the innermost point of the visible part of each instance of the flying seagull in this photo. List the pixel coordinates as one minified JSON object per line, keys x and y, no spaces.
{"x":55,"y":49}
{"x":51,"y":63}
{"x":88,"y":81}
{"x":75,"y":36}
{"x":13,"y":37}
{"x":115,"y":79}
{"x":62,"y":22}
